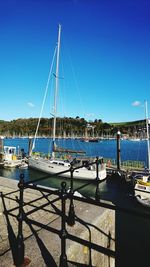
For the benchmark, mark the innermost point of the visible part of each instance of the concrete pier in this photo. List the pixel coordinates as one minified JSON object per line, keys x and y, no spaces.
{"x":124,"y":231}
{"x":39,"y":242}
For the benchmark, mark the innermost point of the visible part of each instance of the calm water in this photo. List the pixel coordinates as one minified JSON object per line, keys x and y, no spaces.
{"x":130,"y":150}
{"x":110,"y":190}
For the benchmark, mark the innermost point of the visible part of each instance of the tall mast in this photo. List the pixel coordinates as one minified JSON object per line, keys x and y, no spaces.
{"x":56,"y":91}
{"x":147,"y":132}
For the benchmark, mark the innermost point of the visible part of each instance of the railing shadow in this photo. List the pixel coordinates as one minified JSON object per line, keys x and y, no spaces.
{"x":79,"y":264}
{"x":46,"y":255}
{"x":88,"y":225}
{"x":11,"y":235}
{"x":123,"y":219}
{"x":17,"y":243}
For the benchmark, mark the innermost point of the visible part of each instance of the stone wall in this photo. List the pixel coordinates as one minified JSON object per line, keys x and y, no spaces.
{"x":103,"y":234}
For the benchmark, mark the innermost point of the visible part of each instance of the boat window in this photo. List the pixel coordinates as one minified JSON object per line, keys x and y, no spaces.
{"x":62,"y":164}
{"x":85,"y":162}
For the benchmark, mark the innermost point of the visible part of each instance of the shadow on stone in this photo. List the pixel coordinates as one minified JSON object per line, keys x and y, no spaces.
{"x":47,"y":257}
{"x":11,"y":235}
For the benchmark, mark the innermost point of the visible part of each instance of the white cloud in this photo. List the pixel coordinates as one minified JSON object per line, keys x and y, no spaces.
{"x":30,"y":104}
{"x":136,"y":103}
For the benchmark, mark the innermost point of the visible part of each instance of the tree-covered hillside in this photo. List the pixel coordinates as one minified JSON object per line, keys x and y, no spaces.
{"x":69,"y":127}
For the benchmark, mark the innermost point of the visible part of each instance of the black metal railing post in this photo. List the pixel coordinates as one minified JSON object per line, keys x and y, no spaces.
{"x":63,"y":233}
{"x":118,"y":150}
{"x":20,"y":243}
{"x":97,"y":192}
{"x":71,"y":214}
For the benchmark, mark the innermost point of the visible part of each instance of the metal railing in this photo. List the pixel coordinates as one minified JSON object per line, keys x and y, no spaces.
{"x":126,"y":164}
{"x":17,"y":243}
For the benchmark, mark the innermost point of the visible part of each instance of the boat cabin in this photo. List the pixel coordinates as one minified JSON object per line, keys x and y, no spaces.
{"x":9,"y":152}
{"x":62,"y":163}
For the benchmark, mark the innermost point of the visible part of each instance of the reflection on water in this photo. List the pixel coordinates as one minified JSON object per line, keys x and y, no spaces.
{"x":13,"y":173}
{"x":107,"y":149}
{"x":115,"y":191}
{"x":107,"y":190}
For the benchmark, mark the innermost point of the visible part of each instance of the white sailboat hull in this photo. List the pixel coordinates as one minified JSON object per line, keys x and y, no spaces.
{"x":48,"y":166}
{"x":142,"y":180}
{"x":57,"y":166}
{"x":142,"y":190}
{"x":142,"y":193}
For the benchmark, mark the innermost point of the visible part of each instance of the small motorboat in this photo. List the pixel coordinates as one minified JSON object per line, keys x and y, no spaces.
{"x":23,"y":165}
{"x":142,"y":188}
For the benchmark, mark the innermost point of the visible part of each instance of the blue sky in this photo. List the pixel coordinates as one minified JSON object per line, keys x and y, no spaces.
{"x":104,"y":58}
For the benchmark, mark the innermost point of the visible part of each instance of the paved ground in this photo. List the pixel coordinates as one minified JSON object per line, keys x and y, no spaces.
{"x":39,"y":243}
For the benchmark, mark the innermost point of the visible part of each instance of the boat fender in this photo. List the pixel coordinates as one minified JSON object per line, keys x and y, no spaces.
{"x":108,"y":163}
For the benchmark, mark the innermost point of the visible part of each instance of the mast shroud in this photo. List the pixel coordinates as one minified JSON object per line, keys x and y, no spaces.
{"x":56,"y":92}
{"x":147,"y":132}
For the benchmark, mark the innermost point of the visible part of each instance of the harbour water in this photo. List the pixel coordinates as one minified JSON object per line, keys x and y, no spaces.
{"x":130,"y":217}
{"x":130,"y":150}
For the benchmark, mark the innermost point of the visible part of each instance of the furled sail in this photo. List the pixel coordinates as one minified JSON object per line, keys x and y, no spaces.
{"x":65,"y":150}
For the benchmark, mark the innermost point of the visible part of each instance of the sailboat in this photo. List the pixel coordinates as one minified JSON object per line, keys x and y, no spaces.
{"x":55,"y":165}
{"x":142,"y":179}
